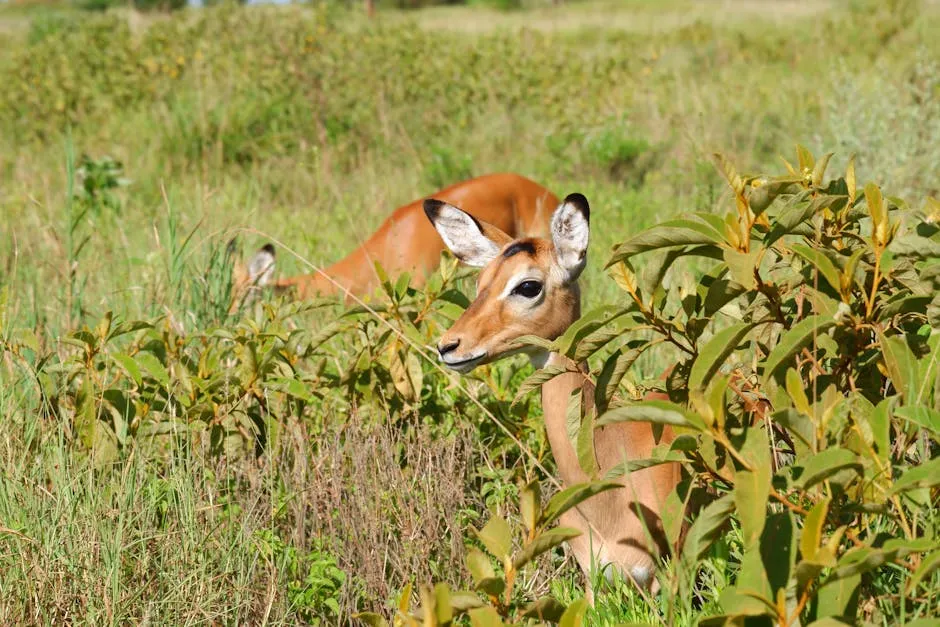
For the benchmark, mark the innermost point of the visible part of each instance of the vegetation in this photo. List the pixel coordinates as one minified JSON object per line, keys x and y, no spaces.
{"x":304,"y":462}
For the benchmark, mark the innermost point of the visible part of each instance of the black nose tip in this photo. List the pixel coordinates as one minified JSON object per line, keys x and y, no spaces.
{"x":443,"y":349}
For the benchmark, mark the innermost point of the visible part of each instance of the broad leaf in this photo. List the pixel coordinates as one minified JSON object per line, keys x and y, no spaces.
{"x":571,"y":497}
{"x":715,"y":352}
{"x":926,"y":475}
{"x":821,"y":262}
{"x":656,"y":412}
{"x":824,"y":465}
{"x":680,"y":232}
{"x":496,"y":536}
{"x":706,"y":528}
{"x":794,"y":340}
{"x":545,"y":541}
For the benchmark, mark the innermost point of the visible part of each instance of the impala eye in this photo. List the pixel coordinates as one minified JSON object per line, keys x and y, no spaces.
{"x":528,"y":289}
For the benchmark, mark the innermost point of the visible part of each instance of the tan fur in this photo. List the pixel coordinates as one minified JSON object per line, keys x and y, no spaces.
{"x":406,"y":241}
{"x":620,"y":527}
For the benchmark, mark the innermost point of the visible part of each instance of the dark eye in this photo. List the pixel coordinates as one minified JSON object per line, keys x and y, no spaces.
{"x":528,"y":289}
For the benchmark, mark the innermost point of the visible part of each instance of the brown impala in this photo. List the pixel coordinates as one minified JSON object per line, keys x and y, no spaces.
{"x":406,"y":242}
{"x":530,"y":286}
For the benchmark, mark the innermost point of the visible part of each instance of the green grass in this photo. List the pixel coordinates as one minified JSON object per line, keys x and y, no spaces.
{"x":308,"y":127}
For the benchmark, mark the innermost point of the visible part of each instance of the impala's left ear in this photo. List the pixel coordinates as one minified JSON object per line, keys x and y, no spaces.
{"x":570,"y":234}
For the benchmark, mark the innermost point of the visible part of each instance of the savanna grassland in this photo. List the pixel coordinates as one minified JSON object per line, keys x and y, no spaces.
{"x":164,"y":462}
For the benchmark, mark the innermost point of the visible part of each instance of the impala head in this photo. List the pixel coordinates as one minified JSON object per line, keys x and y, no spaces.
{"x":526,"y":286}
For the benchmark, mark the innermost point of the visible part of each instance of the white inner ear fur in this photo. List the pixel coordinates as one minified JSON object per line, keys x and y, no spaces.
{"x":463,"y":237}
{"x":261,"y":268}
{"x":570,"y":234}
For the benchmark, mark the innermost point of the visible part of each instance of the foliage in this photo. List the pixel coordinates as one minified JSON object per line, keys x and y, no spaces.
{"x":805,"y":389}
{"x":496,"y":598}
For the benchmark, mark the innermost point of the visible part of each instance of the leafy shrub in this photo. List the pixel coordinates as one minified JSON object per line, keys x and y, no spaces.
{"x":805,"y":388}
{"x":314,"y":578}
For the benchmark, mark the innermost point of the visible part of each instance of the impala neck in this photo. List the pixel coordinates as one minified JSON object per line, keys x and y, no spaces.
{"x":555,"y":396}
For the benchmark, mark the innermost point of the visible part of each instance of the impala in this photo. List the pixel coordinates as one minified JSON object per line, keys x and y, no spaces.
{"x":405,"y":242}
{"x":530,"y":286}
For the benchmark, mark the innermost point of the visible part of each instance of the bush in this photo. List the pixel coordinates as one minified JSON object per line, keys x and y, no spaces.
{"x":805,"y":389}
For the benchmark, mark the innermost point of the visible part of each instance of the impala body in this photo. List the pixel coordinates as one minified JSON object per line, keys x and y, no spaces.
{"x":406,"y":242}
{"x":530,"y":286}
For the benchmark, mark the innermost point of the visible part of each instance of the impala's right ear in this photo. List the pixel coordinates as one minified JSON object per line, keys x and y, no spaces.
{"x":472,"y":242}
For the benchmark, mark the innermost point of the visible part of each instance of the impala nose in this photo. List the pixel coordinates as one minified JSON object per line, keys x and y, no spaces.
{"x":450,"y":347}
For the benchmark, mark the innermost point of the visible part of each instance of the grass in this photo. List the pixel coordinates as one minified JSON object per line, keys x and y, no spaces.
{"x":312,"y":142}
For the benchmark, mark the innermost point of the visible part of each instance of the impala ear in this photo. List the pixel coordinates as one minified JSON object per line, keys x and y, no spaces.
{"x":570,"y":234}
{"x":260,"y":269}
{"x":473,"y":242}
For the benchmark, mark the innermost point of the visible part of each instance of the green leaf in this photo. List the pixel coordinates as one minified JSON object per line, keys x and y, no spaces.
{"x":805,"y":158}
{"x":443,"y":610}
{"x":130,"y":366}
{"x":921,"y":416}
{"x":715,"y":352}
{"x":479,"y":565}
{"x":574,"y":614}
{"x":799,"y":209}
{"x":589,"y":323}
{"x":496,"y":536}
{"x":680,"y":232}
{"x":752,"y":487}
{"x":530,"y":504}
{"x":612,"y":373}
{"x":128,"y":327}
{"x":485,"y":617}
{"x":797,"y":424}
{"x":812,"y":529}
{"x":294,"y":387}
{"x":794,"y":385}
{"x":778,"y":549}
{"x":544,"y":541}
{"x":535,"y":380}
{"x":742,"y":267}
{"x":819,"y":170}
{"x":572,"y":496}
{"x":152,"y":365}
{"x":821,"y":262}
{"x":461,"y":601}
{"x":371,"y":618}
{"x":492,"y":586}
{"x":633,"y":465}
{"x":794,"y":340}
{"x":587,"y":456}
{"x":706,"y":529}
{"x":927,"y":475}
{"x":902,"y":366}
{"x":534,"y":340}
{"x":720,"y":293}
{"x":875,"y":202}
{"x":824,"y":465}
{"x":656,"y":412}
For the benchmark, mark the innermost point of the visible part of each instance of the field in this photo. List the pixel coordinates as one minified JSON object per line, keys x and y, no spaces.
{"x":163,"y":462}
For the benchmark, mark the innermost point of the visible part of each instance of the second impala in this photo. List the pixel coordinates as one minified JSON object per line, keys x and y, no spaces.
{"x":406,"y":242}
